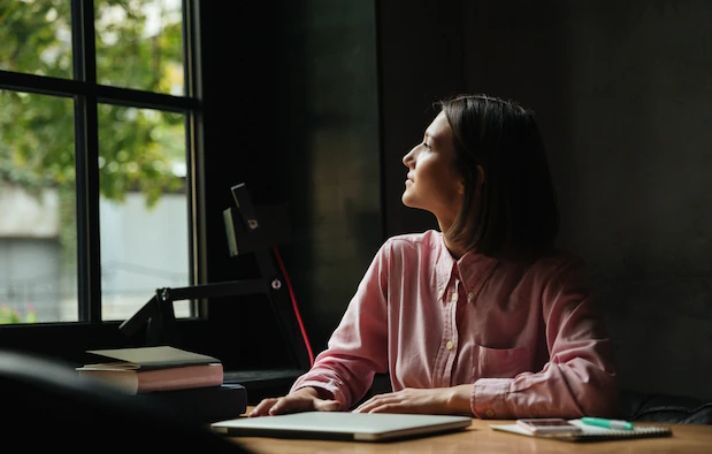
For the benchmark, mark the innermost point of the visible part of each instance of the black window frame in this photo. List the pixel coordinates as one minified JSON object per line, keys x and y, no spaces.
{"x":69,"y":340}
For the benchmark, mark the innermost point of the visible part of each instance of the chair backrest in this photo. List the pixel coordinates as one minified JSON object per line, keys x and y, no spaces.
{"x":45,"y":403}
{"x":638,"y":406}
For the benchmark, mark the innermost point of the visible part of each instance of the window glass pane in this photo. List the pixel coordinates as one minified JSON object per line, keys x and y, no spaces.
{"x":144,"y":207}
{"x":139,"y":44}
{"x":38,"y":259}
{"x":36,"y":37}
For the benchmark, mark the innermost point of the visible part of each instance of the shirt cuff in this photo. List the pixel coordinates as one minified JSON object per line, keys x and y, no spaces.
{"x":489,"y":398}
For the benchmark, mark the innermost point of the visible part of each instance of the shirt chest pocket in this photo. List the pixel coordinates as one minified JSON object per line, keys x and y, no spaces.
{"x":500,"y":362}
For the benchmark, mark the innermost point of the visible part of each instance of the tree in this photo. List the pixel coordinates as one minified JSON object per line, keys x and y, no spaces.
{"x":138,"y":45}
{"x":137,"y":147}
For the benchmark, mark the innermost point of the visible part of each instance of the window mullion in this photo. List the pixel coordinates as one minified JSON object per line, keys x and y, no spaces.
{"x":87,"y":152}
{"x":194,"y":147}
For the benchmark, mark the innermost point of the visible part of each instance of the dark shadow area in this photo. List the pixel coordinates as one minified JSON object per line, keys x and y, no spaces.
{"x":47,"y":405}
{"x":637,"y":406}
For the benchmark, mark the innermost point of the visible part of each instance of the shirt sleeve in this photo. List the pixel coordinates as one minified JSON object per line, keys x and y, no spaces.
{"x":358,"y":349}
{"x":579,"y":378}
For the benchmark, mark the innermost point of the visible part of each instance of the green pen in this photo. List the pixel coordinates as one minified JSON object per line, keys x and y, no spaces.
{"x":614,"y":424}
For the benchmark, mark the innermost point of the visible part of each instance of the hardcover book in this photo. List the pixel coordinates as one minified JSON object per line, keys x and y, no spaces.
{"x":149,"y":369}
{"x":200,"y":405}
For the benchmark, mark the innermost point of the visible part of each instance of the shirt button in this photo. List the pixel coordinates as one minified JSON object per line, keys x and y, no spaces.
{"x":453,"y":297}
{"x":450,"y":345}
{"x":489,"y":413}
{"x":470,"y":297}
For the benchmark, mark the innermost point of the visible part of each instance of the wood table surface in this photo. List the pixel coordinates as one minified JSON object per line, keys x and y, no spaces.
{"x":480,"y":438}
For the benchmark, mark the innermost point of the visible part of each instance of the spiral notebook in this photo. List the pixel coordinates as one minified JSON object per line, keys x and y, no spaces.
{"x":593,"y":433}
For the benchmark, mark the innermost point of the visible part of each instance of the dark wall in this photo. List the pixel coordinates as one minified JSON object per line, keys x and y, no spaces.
{"x":421,"y":61}
{"x":622,"y":91}
{"x":240,"y":77}
{"x":640,"y":104}
{"x":291,"y":109}
{"x":623,"y":95}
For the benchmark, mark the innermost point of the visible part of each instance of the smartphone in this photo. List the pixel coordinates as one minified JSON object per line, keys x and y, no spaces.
{"x":548,"y":426}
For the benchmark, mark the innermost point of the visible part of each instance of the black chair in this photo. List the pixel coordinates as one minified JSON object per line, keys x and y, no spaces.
{"x":636,"y":406}
{"x":47,"y":404}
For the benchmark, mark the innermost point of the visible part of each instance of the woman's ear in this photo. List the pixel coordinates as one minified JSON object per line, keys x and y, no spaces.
{"x":460,"y":186}
{"x":481,"y":176}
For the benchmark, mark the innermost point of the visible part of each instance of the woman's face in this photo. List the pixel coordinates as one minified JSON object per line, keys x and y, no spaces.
{"x":433,"y":183}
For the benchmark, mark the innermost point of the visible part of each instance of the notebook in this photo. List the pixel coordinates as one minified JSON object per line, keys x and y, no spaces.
{"x":342,"y":425}
{"x":593,"y":433}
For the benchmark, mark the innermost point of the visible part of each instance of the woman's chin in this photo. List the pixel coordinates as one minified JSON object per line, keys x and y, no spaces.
{"x":407,"y":200}
{"x":404,"y":199}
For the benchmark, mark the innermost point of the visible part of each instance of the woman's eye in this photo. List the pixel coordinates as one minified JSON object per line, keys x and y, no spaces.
{"x":426,"y":145}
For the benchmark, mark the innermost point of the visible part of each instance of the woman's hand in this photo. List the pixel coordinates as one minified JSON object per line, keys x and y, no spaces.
{"x":454,"y":400}
{"x":305,"y":399}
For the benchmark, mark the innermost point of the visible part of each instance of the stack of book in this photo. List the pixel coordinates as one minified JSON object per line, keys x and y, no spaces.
{"x":188,"y":384}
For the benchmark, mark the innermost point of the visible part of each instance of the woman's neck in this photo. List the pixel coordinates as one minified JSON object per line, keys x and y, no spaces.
{"x":455,"y":249}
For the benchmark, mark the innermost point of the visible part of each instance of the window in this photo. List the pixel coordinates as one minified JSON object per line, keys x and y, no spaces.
{"x":99,"y":133}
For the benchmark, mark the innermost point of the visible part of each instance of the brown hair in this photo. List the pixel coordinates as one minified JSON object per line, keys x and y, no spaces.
{"x":515,"y":215}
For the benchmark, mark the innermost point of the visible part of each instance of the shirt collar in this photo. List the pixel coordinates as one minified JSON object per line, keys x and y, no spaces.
{"x":473,"y":268}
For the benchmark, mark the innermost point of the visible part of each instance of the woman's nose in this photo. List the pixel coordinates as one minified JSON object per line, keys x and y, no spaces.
{"x":409,"y":158}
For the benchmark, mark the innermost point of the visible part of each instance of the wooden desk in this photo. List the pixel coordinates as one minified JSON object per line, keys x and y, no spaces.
{"x":479,"y":438}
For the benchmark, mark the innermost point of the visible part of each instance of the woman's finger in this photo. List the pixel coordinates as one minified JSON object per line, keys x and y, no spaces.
{"x":263,"y":407}
{"x":291,"y":404}
{"x":367,"y":404}
{"x":385,"y":408}
{"x":376,"y":401}
{"x":326,"y":405}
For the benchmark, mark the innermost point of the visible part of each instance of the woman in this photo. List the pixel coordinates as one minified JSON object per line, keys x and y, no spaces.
{"x":485,"y":318}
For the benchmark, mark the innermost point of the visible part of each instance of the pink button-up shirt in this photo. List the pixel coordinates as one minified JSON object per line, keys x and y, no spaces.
{"x":524,"y":335}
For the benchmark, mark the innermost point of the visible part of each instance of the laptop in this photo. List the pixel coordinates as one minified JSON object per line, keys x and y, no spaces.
{"x":342,"y":425}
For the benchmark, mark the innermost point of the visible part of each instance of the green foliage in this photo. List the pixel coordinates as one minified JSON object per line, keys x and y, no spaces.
{"x":126,"y":57}
{"x":36,"y":140}
{"x":138,"y":45}
{"x":34,"y":38}
{"x":137,"y":147}
{"x":10,"y":315}
{"x":140,"y":154}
